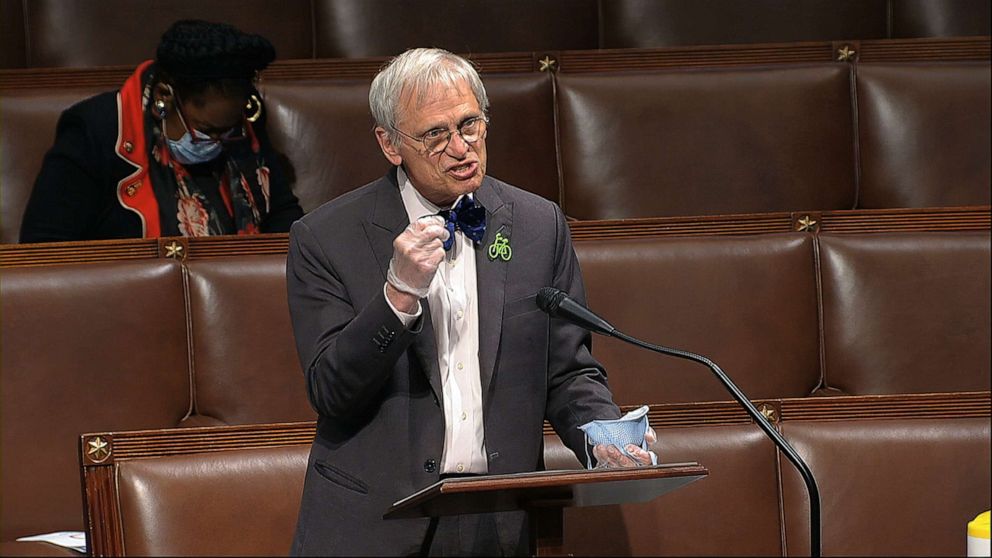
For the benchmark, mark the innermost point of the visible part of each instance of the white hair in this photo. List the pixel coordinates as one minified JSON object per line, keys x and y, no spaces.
{"x":419,"y":70}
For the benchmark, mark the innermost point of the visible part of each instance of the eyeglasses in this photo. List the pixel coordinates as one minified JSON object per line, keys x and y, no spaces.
{"x":435,"y":141}
{"x":235,"y":134}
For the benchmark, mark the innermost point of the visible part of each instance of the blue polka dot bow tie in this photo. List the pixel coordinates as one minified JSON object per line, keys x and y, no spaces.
{"x":467,"y":216}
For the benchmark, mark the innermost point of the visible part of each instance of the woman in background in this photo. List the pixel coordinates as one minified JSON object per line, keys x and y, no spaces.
{"x":179,"y":150}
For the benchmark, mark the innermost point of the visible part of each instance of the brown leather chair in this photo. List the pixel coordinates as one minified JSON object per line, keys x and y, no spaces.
{"x":655,"y":23}
{"x":85,"y":348}
{"x":12,"y":34}
{"x":325,"y":128}
{"x":360,"y":28}
{"x":109,"y":32}
{"x":733,"y":511}
{"x":27,"y":130}
{"x":939,"y":18}
{"x":245,"y":367}
{"x":238,"y":502}
{"x":901,"y":487}
{"x":702,"y":142}
{"x":906,"y":313}
{"x":749,"y":303}
{"x":924,"y":135}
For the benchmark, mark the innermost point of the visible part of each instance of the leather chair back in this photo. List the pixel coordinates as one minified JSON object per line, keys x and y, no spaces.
{"x":899,"y":487}
{"x":906,"y":313}
{"x":750,"y":304}
{"x":109,"y":32}
{"x":701,"y":142}
{"x":245,"y":368}
{"x":655,"y":23}
{"x":361,"y":28}
{"x":924,"y":134}
{"x":240,"y":502}
{"x":733,"y":510}
{"x":86,"y":348}
{"x":27,"y":131}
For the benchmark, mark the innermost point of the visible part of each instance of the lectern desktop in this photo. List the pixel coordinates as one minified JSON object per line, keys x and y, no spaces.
{"x":543,"y":495}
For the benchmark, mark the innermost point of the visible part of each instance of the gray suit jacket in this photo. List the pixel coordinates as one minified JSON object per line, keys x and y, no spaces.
{"x":376,"y":386}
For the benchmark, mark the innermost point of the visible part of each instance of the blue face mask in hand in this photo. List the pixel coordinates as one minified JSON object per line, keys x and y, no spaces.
{"x":621,"y":432}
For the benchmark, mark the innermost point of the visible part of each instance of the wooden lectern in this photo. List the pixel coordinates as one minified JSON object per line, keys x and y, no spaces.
{"x":544,"y":494}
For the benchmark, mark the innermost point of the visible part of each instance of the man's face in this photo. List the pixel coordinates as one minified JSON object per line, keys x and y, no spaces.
{"x":460,"y":167}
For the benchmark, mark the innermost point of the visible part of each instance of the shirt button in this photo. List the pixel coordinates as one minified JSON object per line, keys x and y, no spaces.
{"x":430,"y":465}
{"x":460,"y":314}
{"x":464,"y":416}
{"x":460,"y":468}
{"x":460,"y":366}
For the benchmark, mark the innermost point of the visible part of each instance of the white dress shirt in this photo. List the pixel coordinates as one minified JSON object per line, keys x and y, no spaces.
{"x":454,"y":304}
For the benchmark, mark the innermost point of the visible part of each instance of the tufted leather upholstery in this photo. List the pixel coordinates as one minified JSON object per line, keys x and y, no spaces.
{"x":109,"y":32}
{"x":27,"y":131}
{"x":242,"y":503}
{"x":695,"y":294}
{"x":360,"y":28}
{"x":653,"y":23}
{"x":906,"y":312}
{"x":896,"y":487}
{"x":245,"y":368}
{"x":156,"y":344}
{"x":702,"y":142}
{"x":924,"y":135}
{"x":639,"y":144}
{"x":87,"y":348}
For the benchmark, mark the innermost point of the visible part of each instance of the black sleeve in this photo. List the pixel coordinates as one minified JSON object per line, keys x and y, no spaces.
{"x":67,"y":199}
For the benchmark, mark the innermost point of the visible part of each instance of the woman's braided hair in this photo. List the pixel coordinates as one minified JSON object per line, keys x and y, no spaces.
{"x":195,"y":55}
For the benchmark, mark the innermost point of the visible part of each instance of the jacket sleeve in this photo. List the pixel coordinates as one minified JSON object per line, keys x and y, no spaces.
{"x":67,"y":198}
{"x":347,"y":353}
{"x":577,"y":385}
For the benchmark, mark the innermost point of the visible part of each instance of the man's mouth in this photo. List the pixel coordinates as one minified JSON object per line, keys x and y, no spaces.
{"x":464,"y":171}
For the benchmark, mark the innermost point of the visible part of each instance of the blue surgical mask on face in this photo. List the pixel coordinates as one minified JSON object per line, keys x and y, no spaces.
{"x":188,"y":152}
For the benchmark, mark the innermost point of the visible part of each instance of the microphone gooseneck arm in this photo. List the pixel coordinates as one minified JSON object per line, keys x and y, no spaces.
{"x":759,"y":419}
{"x":558,"y":304}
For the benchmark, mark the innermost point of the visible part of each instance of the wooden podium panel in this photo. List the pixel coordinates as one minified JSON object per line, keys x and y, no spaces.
{"x":545,"y":489}
{"x":543,"y":495}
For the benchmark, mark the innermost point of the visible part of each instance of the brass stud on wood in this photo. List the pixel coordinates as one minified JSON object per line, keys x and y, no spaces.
{"x":98,"y":449}
{"x":548,"y":64}
{"x":806,"y":224}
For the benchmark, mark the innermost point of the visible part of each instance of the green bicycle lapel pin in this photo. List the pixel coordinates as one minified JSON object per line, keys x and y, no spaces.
{"x":500,"y":248}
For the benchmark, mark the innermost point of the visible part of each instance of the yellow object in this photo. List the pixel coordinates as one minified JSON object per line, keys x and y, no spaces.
{"x":979,"y":527}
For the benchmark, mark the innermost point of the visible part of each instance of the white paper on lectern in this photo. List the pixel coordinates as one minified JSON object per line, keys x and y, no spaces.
{"x":75,"y":540}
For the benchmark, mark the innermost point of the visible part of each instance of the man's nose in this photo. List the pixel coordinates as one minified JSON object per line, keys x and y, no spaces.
{"x":457,"y":146}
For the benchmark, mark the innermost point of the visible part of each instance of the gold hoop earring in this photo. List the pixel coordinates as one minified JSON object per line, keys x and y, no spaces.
{"x":253,"y":110}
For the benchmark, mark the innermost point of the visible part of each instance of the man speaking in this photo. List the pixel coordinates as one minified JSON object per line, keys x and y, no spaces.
{"x":425,"y":354}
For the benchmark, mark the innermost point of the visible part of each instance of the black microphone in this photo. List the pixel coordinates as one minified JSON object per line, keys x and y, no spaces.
{"x":557,"y":303}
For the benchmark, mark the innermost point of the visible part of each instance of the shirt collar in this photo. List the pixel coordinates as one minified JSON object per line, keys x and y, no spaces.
{"x":415,"y":203}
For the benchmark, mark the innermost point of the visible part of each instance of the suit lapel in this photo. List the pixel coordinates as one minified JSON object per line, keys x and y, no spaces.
{"x":387,"y":221}
{"x":491,"y":280}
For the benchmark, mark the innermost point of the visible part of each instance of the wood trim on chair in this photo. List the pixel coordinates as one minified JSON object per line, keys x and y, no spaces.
{"x":570,"y":61}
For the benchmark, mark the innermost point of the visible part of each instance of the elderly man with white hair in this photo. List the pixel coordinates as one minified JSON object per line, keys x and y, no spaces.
{"x":425,"y":355}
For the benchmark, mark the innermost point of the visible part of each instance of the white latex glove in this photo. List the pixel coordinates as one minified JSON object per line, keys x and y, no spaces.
{"x":417,"y":252}
{"x":608,"y":455}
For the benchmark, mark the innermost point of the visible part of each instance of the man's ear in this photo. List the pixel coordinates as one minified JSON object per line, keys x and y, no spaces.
{"x":388,"y":149}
